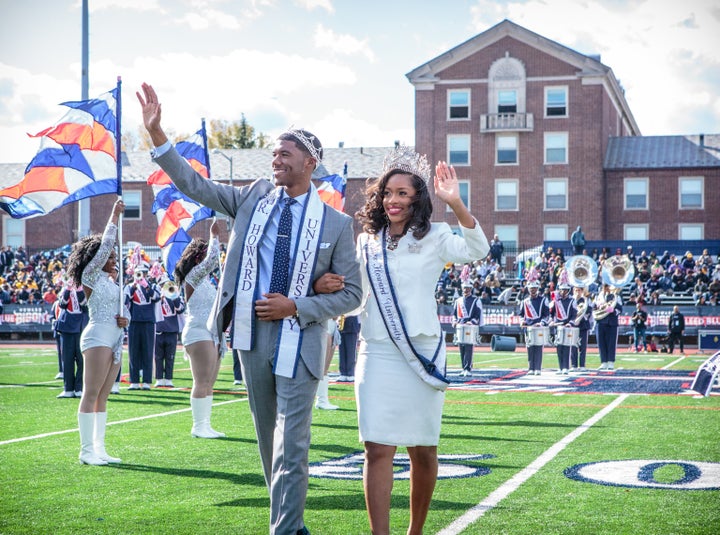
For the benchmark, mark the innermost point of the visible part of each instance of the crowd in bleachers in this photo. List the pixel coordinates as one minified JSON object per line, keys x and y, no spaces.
{"x":664,"y":279}
{"x":658,"y":280}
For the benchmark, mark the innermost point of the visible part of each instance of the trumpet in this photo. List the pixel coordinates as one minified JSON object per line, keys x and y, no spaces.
{"x":170,"y":290}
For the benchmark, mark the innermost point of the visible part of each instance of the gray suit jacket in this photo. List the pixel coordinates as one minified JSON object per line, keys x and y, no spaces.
{"x":338,"y":257}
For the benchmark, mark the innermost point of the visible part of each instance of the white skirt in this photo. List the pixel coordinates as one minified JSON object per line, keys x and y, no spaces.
{"x":395,"y":406}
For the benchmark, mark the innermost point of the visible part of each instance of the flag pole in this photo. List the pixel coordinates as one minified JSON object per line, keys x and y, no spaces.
{"x":118,"y":168}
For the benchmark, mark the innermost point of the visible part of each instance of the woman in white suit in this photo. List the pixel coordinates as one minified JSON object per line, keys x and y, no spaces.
{"x":400,"y":372}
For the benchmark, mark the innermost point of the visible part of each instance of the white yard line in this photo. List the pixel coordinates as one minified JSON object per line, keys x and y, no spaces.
{"x":139,"y":418}
{"x":672,"y":363}
{"x":473,"y":514}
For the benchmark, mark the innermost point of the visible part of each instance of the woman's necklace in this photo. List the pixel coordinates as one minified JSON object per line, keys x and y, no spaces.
{"x":392,"y":240}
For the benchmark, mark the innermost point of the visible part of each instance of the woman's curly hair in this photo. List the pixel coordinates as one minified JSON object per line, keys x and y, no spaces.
{"x":82,"y":252}
{"x":373,"y":217}
{"x":193,"y":254}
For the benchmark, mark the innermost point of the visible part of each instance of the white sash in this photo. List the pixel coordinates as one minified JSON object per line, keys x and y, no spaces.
{"x":305,"y":253}
{"x":430,"y":371}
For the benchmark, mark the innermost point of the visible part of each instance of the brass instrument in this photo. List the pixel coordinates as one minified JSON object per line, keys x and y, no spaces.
{"x":582,"y":270}
{"x":617,"y":271}
{"x":581,"y":310}
{"x":170,"y":290}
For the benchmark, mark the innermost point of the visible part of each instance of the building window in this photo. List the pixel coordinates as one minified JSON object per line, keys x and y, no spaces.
{"x":506,"y":195}
{"x":506,"y":149}
{"x":556,"y":101}
{"x":555,"y":232}
{"x":636,"y":194}
{"x":507,"y":101}
{"x":691,"y":193}
{"x":459,"y":104}
{"x":133,"y":204}
{"x":464,"y":186}
{"x":508,"y":234}
{"x":635,"y":232}
{"x":691,"y":231}
{"x":458,"y":150}
{"x":556,"y":194}
{"x":13,"y":232}
{"x":556,"y":147}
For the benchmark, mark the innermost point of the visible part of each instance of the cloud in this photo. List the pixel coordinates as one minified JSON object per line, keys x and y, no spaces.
{"x":132,"y":5}
{"x":343,"y":125}
{"x":341,"y":43}
{"x":312,"y":4}
{"x":210,"y":18}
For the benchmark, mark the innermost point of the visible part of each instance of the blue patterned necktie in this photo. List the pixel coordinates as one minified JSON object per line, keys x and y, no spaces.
{"x":281,"y":259}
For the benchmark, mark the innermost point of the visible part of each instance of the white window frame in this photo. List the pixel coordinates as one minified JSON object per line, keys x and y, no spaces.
{"x":13,"y":232}
{"x":514,"y":137}
{"x":508,"y":90}
{"x":685,"y":180}
{"x":559,"y":136}
{"x":546,"y":183}
{"x":458,"y":137}
{"x":128,"y":199}
{"x":688,"y":226}
{"x":562,"y":229}
{"x":464,"y":186}
{"x":450,"y":93}
{"x":549,"y":88}
{"x":509,"y":235}
{"x":630,"y":228}
{"x":639,"y":180}
{"x":516,"y":183}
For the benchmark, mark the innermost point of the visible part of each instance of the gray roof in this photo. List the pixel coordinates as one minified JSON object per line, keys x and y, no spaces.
{"x":248,"y":164}
{"x":663,"y":152}
{"x":251,"y":164}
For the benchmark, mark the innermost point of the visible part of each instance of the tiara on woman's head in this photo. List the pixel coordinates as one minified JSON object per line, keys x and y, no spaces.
{"x":407,"y":160}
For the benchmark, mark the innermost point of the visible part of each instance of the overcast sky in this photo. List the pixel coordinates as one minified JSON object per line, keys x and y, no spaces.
{"x":335,"y":67}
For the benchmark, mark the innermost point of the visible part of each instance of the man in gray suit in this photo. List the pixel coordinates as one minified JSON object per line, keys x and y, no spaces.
{"x":281,"y":336}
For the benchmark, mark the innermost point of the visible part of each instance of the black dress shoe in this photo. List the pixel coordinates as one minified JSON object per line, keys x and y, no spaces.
{"x":303,"y":531}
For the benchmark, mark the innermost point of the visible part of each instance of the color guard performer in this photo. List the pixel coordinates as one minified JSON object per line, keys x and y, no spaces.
{"x":535,"y":311}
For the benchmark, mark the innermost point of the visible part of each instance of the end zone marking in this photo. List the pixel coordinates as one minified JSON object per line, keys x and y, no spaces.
{"x":502,"y":492}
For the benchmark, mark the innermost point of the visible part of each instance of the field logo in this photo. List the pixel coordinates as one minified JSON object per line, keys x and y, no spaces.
{"x":676,"y":475}
{"x":350,"y":467}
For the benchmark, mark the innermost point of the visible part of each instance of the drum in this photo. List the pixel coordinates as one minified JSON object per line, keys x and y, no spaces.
{"x":568,"y":336}
{"x":466,"y":334}
{"x":537,"y":335}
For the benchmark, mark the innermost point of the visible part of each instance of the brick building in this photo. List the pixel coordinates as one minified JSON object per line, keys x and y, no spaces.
{"x":543,"y":140}
{"x":541,"y":136}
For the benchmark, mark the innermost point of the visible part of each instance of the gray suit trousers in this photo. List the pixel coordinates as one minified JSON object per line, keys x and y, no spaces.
{"x":282,"y":411}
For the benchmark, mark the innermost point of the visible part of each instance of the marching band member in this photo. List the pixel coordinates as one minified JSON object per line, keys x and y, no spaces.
{"x":608,"y":306}
{"x":582,"y":320}
{"x":468,"y":310}
{"x":535,"y":311}
{"x":167,"y":329}
{"x":563,"y":312}
{"x":140,"y":297}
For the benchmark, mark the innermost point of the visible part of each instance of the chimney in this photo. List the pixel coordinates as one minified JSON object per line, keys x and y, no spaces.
{"x":341,"y":144}
{"x":702,"y":141}
{"x":397,"y":143}
{"x":361,"y":150}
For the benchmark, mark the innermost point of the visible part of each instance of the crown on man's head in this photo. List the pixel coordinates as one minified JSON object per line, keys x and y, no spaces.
{"x":407,"y":160}
{"x":308,"y":141}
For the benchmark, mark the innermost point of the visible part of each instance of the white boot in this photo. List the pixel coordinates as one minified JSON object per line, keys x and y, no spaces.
{"x":99,"y":438}
{"x":201,"y":409}
{"x":86,"y":424}
{"x":322,"y":396}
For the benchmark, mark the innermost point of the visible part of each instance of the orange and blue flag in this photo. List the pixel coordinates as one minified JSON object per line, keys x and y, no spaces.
{"x":77,"y":159}
{"x":177,"y":213}
{"x":332,"y":190}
